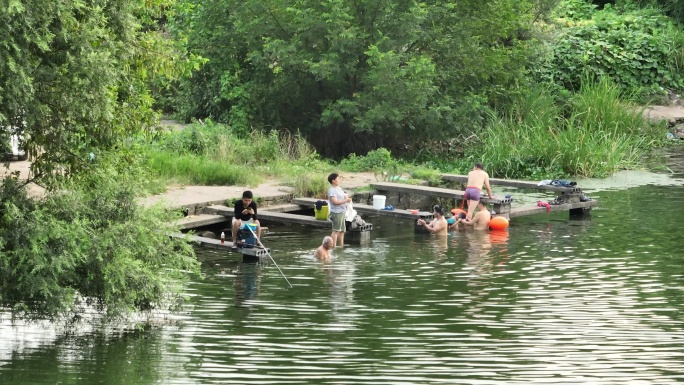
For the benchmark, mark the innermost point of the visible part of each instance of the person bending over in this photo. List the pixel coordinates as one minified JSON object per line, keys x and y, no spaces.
{"x":481,"y":219}
{"x":437,"y":226}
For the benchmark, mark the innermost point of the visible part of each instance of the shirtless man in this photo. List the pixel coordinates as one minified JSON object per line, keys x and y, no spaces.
{"x":437,"y":226}
{"x":323,"y":251}
{"x":481,"y":219}
{"x":476,"y":178}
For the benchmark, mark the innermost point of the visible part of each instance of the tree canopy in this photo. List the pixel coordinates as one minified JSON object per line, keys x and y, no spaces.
{"x":72,"y":76}
{"x":73,"y":82}
{"x":353,"y":76}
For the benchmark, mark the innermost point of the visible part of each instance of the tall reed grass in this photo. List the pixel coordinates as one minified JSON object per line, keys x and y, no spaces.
{"x":591,"y":134}
{"x":212,"y":154}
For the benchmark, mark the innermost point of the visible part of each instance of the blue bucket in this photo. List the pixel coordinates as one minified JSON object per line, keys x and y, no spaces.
{"x":247,"y":238}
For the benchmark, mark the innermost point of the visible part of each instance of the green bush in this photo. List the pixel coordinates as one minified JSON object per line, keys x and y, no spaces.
{"x":213,"y":154}
{"x":310,"y":185}
{"x":596,"y":136}
{"x":641,"y":50}
{"x":86,"y":245}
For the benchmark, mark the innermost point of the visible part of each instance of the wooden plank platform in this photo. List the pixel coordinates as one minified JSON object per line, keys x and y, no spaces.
{"x":430,"y":191}
{"x":534,"y":209}
{"x":510,"y":183}
{"x":195,"y":221}
{"x":249,"y":255}
{"x":275,"y":217}
{"x":367,"y":209}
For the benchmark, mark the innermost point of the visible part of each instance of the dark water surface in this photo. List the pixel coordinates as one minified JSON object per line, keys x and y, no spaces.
{"x":551,"y":301}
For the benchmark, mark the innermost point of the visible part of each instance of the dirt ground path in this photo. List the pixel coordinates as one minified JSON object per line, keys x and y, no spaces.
{"x":184,"y":196}
{"x":179,"y":196}
{"x":24,"y":168}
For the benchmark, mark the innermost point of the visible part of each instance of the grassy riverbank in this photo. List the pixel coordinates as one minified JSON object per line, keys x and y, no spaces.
{"x":545,"y":135}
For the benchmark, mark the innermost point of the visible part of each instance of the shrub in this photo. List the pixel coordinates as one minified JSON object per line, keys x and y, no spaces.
{"x":596,"y":136}
{"x":88,"y":244}
{"x":639,"y":49}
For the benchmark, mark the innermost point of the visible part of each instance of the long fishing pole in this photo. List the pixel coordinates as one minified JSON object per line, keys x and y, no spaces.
{"x":268,"y":253}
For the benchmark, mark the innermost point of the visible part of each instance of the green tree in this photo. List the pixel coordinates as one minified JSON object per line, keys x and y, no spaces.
{"x":73,"y":82}
{"x":73,"y":75}
{"x":87,"y":245}
{"x":353,"y":75}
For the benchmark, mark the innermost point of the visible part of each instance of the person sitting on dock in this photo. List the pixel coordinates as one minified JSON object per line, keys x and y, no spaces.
{"x":245,"y":210}
{"x":481,"y":219}
{"x":338,"y":208}
{"x":476,"y":179}
{"x":323,"y":251}
{"x":437,"y":226}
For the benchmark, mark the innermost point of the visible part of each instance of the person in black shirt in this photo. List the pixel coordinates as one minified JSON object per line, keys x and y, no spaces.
{"x":245,"y":209}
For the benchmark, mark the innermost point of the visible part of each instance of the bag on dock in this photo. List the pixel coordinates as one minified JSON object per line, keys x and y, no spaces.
{"x":355,"y":223}
{"x":321,"y":210}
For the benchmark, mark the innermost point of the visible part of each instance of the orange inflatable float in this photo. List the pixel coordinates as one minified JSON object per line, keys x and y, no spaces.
{"x":457,"y":211}
{"x":498,"y":223}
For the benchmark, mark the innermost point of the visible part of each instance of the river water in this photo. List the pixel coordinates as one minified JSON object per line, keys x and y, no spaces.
{"x":552,"y":301}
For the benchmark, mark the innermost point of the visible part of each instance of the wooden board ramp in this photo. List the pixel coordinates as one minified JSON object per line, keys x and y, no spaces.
{"x":275,"y":217}
{"x":367,"y":209}
{"x":439,"y":192}
{"x":195,"y":221}
{"x":524,"y":184}
{"x":501,"y":206}
{"x":534,"y":209}
{"x":248,"y":254}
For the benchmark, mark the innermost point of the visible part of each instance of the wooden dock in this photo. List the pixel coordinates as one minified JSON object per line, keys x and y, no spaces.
{"x":272,"y":216}
{"x":195,"y":221}
{"x":430,"y":191}
{"x":501,"y":206}
{"x":367,"y":209}
{"x":255,"y":254}
{"x":534,"y":209}
{"x":523,"y":184}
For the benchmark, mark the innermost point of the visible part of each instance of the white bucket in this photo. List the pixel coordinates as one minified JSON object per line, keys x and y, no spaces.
{"x":378,"y":202}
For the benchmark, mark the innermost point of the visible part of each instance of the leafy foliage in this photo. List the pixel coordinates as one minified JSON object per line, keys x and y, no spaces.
{"x":637,"y":48}
{"x":73,"y":76}
{"x":379,"y":161}
{"x":353,"y":76}
{"x":88,"y":245}
{"x":595,"y":136}
{"x":214,"y":154}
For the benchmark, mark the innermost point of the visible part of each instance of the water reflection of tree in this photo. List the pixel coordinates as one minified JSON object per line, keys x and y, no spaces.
{"x":126,"y":357}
